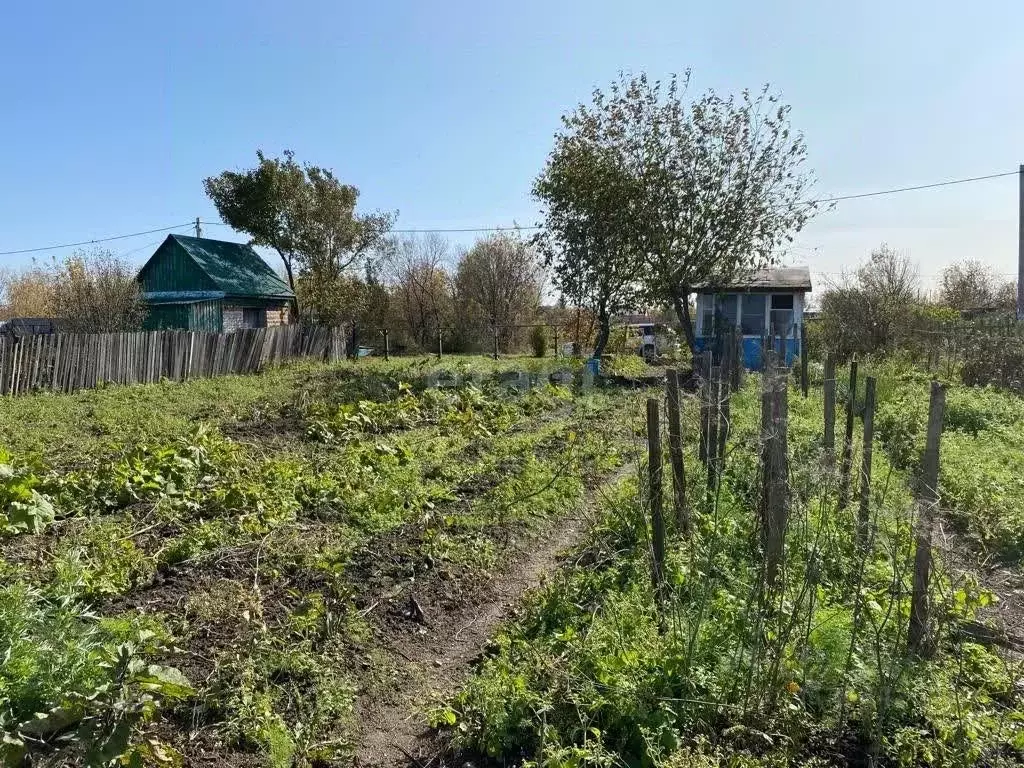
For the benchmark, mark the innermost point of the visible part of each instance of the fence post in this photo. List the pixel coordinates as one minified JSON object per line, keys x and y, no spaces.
{"x":439,"y":337}
{"x":851,"y":401}
{"x":654,"y":484}
{"x":775,"y":473}
{"x":387,"y":346}
{"x":714,"y":391}
{"x":724,"y":416}
{"x":705,"y":406}
{"x":495,"y":342}
{"x":928,"y":501}
{"x":864,"y":514}
{"x":675,"y":448}
{"x":736,"y":377}
{"x":804,"y":382}
{"x":830,"y":411}
{"x":556,"y":342}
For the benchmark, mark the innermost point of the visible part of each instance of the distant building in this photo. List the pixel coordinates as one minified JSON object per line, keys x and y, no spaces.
{"x":769,"y":301}
{"x":28,"y":326}
{"x":198,"y":284}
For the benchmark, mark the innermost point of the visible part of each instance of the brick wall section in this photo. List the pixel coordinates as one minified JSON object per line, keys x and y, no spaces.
{"x":232,"y":317}
{"x":277,"y":316}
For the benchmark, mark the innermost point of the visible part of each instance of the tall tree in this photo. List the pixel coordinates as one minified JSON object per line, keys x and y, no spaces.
{"x":305,"y":214}
{"x":715,"y":186}
{"x":421,"y":288}
{"x":864,"y":312}
{"x":498,"y":284}
{"x":972,"y":284}
{"x":587,"y":239}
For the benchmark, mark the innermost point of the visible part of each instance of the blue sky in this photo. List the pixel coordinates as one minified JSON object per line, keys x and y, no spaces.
{"x":114,"y":112}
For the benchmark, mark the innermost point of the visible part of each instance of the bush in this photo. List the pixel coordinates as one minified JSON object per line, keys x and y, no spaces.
{"x":539,"y":340}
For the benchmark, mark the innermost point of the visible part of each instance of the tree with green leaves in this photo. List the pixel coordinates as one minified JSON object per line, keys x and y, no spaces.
{"x":587,"y":239}
{"x":307,"y":216}
{"x":705,"y":192}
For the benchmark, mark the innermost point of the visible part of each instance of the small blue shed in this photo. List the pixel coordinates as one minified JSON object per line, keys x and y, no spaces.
{"x":769,"y":301}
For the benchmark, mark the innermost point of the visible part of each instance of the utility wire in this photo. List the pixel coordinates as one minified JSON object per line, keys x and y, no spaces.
{"x":912,"y":189}
{"x":441,"y":230}
{"x":97,"y":240}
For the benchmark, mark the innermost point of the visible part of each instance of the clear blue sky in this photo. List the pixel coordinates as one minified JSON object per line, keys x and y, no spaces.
{"x":114,"y":112}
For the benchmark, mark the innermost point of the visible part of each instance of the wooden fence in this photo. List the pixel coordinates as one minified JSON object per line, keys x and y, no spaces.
{"x":66,"y":362}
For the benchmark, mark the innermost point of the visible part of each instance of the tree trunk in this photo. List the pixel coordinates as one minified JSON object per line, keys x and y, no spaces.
{"x":604,"y":330}
{"x":291,"y":280}
{"x":682,"y":309}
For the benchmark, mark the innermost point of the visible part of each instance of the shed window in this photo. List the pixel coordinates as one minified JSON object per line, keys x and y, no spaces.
{"x":753,"y":314}
{"x":782,"y":315}
{"x":254,"y":317}
{"x":719,"y":312}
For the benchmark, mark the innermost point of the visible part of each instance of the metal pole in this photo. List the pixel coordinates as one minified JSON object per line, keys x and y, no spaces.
{"x":439,"y":332}
{"x":1020,"y":247}
{"x":387,"y":347}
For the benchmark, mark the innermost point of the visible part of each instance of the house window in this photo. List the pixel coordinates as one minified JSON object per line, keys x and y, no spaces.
{"x":782,"y":315}
{"x":254,"y":317}
{"x":754,"y":305}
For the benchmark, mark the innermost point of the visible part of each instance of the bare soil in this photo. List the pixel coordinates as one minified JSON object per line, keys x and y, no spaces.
{"x":435,"y":641}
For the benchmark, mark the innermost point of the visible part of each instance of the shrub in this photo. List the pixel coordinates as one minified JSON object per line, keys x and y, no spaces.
{"x":539,"y":340}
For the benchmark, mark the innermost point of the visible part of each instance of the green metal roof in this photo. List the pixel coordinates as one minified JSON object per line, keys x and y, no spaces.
{"x":234,"y":268}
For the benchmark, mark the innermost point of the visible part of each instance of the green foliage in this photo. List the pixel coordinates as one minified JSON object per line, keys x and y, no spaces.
{"x":539,"y":340}
{"x":69,"y":679}
{"x":589,"y":673}
{"x":250,"y":535}
{"x":23,"y":508}
{"x":308,"y":217}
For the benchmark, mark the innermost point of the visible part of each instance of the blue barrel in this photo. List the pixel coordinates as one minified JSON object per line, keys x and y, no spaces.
{"x":594,"y":365}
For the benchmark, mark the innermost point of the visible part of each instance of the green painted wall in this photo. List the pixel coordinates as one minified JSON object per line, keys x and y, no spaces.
{"x":197,"y":316}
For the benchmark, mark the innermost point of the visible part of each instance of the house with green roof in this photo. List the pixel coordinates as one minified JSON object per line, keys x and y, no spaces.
{"x":198,"y":284}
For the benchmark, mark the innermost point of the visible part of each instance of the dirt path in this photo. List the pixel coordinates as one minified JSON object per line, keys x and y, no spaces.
{"x":437,"y":657}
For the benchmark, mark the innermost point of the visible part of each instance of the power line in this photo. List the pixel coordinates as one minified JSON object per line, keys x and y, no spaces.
{"x":428,"y":229}
{"x":92,"y":242}
{"x":912,"y":189}
{"x":453,"y":230}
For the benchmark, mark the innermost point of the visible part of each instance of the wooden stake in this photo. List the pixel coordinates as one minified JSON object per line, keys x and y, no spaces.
{"x":675,"y":448}
{"x":654,"y":481}
{"x":847,"y":467}
{"x":775,"y":473}
{"x":830,"y":411}
{"x":804,"y":382}
{"x":864,"y":513}
{"x":928,"y":501}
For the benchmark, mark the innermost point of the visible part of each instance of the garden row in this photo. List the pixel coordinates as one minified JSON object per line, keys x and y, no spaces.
{"x":216,"y":592}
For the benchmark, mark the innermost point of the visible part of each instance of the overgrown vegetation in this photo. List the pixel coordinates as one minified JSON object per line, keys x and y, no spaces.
{"x":728,"y":671}
{"x":176,"y":592}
